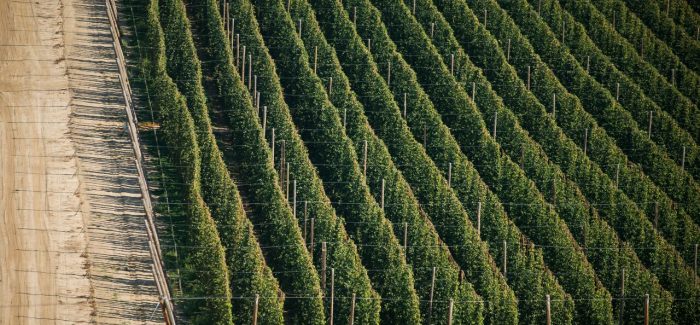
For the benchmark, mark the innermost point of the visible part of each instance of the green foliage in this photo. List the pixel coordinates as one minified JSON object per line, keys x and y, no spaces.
{"x":682,"y":41}
{"x":247,"y":270}
{"x":623,"y":54}
{"x":682,"y":13}
{"x":204,"y":270}
{"x":334,"y":156}
{"x":674,"y":224}
{"x":655,"y":51}
{"x":351,"y":276}
{"x":251,"y":163}
{"x":502,"y":175}
{"x":615,"y":207}
{"x":425,"y":248}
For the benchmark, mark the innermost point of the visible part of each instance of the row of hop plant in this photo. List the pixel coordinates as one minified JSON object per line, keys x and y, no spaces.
{"x":424,"y":250}
{"x":248,"y":273}
{"x":615,"y":207}
{"x":653,"y":50}
{"x":333,"y":154}
{"x":684,"y":42}
{"x":311,"y":200}
{"x":685,"y":14}
{"x":624,"y":55}
{"x":619,"y":124}
{"x":527,"y":206}
{"x":251,"y":163}
{"x":607,"y":263}
{"x":204,"y":272}
{"x":674,"y":139}
{"x":385,"y":117}
{"x":678,"y":144}
{"x":673,"y":223}
{"x":524,"y":264}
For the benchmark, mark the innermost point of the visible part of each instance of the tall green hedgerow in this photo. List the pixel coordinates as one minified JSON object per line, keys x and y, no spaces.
{"x":682,"y":13}
{"x":247,"y":270}
{"x":674,"y":224}
{"x":425,"y":249}
{"x":683,"y":42}
{"x":654,"y":50}
{"x":526,"y":205}
{"x":524,"y":264}
{"x":607,"y":263}
{"x":204,"y":271}
{"x":250,"y":161}
{"x":334,"y":156}
{"x":312,"y":202}
{"x":615,"y":207}
{"x":622,"y":53}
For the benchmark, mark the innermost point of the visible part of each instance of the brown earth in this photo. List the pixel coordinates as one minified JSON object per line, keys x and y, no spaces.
{"x":73,"y":244}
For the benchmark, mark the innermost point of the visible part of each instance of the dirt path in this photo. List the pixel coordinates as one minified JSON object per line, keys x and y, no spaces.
{"x":73,"y":247}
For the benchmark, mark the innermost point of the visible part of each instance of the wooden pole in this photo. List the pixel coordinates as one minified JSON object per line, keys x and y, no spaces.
{"x":414,"y":7}
{"x":539,"y":7}
{"x":495,"y":123}
{"x":549,"y":310}
{"x":554,"y":106}
{"x":330,"y":86}
{"x":486,"y":13}
{"x":345,"y":118}
{"x":405,"y":103}
{"x":255,"y":309}
{"x":646,"y":309}
{"x":425,"y":136}
{"x":332,"y":294}
{"x":286,"y":179}
{"x":505,"y":259}
{"x":508,"y":51}
{"x":315,"y":58}
{"x":449,"y":175}
{"x":588,"y":63}
{"x":432,"y":30}
{"x":305,"y":220}
{"x":683,"y":159}
{"x":563,"y":31}
{"x":233,"y":30}
{"x":432,"y":292}
{"x":238,"y":49}
{"x":528,"y":77}
{"x":311,"y":231}
{"x":383,"y":183}
{"x":352,"y":310}
{"x":250,"y":70}
{"x":295,"y":198}
{"x":272,"y":145}
{"x":369,"y":45}
{"x":299,"y":27}
{"x":622,"y":296}
{"x":651,"y":118}
{"x":449,"y":311}
{"x":323,"y":267}
{"x":282,"y":174}
{"x":388,"y":74}
{"x":478,"y":219}
{"x":617,"y":175}
{"x":617,"y":91}
{"x":354,"y":16}
{"x":673,"y":77}
{"x":289,"y":5}
{"x":264,"y":124}
{"x":364,"y":159}
{"x":405,"y":236}
{"x":243,"y":67}
{"x":474,"y":91}
{"x":452,"y":64}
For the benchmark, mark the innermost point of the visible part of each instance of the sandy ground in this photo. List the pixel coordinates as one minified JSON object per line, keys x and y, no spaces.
{"x":73,"y":244}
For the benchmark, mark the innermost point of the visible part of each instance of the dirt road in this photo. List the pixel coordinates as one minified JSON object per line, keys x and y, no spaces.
{"x":73,"y":245}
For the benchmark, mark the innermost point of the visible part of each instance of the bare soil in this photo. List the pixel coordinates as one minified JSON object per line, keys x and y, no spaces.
{"x":73,"y":244}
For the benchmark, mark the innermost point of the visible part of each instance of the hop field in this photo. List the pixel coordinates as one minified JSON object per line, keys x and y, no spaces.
{"x":422,"y":161}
